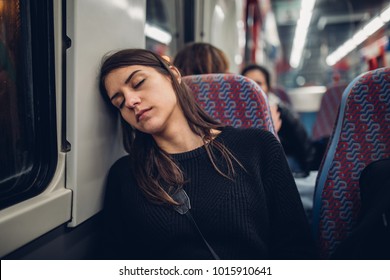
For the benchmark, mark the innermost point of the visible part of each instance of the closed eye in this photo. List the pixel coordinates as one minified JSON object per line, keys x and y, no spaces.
{"x":122,"y":104}
{"x":139,"y":83}
{"x":118,"y":102}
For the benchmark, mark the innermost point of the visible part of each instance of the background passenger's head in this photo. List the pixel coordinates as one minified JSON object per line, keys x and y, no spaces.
{"x":201,"y":58}
{"x":259,"y":74}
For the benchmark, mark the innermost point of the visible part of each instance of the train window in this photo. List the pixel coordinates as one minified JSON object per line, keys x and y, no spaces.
{"x":27,"y":115}
{"x":162,"y":28}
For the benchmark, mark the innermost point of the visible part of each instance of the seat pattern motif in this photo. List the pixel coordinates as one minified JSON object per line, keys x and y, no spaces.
{"x":232,"y":99}
{"x":327,"y":114}
{"x":361,"y":136}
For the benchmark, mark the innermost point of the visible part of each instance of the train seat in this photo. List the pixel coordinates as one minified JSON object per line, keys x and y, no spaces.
{"x":326,"y":116}
{"x":361,"y":135}
{"x":232,"y":99}
{"x":325,"y":121}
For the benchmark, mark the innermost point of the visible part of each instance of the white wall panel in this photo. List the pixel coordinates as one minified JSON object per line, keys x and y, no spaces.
{"x":95,"y":28}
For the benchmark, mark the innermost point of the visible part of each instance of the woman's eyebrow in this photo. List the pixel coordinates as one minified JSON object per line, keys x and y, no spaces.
{"x":126,"y":81}
{"x":131,"y":76}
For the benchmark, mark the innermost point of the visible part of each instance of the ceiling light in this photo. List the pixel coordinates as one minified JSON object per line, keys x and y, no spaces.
{"x":385,"y":15}
{"x":359,"y":37}
{"x":301,"y":32}
{"x":373,"y":26}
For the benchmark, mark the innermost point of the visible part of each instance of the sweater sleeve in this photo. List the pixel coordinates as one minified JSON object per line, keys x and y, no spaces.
{"x":112,"y":232}
{"x":290,"y":233}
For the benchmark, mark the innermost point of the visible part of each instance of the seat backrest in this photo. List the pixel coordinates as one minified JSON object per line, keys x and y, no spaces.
{"x":370,"y":238}
{"x":232,"y":99}
{"x":361,"y":135}
{"x":326,"y":116}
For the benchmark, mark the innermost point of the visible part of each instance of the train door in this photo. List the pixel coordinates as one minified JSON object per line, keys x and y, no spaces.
{"x":57,"y":141}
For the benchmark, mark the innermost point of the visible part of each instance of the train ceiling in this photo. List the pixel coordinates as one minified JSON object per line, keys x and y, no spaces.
{"x":332,"y":23}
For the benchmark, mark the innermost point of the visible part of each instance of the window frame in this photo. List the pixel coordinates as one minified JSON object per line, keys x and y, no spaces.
{"x":26,"y":220}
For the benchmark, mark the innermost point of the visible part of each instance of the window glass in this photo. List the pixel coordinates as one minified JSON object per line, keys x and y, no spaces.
{"x":22,"y":114}
{"x":162,"y":26}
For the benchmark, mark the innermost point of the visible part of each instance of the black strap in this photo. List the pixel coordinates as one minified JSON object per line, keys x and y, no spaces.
{"x":189,"y":216}
{"x":184,"y":209}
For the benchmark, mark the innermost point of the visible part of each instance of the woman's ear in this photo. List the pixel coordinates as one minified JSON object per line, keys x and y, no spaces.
{"x":167,"y":58}
{"x":176,"y":72}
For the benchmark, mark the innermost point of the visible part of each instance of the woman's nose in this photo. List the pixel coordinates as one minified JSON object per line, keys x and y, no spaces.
{"x":131,"y":100}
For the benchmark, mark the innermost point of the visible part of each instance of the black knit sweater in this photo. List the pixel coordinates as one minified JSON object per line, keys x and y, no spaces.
{"x":259,"y":215}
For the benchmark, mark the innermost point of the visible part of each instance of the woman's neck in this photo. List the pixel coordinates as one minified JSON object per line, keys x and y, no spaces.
{"x":179,"y":141}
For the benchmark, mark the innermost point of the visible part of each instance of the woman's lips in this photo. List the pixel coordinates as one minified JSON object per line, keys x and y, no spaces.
{"x":141,"y":114}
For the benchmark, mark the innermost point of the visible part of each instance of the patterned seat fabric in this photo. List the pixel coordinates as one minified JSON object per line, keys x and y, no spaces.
{"x":326,"y":116}
{"x":360,"y":136}
{"x":232,"y":99}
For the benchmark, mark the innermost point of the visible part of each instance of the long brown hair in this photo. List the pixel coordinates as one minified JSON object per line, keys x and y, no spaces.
{"x":156,"y":172}
{"x":201,"y":58}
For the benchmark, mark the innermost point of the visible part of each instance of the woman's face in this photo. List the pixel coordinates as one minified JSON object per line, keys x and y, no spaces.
{"x":144,"y":97}
{"x":259,"y":78}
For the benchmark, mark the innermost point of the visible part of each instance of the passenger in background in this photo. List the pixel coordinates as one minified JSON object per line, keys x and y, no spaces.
{"x":295,"y":141}
{"x":244,"y":201}
{"x":201,"y":58}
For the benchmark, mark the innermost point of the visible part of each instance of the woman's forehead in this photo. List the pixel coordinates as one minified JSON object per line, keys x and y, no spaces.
{"x":129,"y":70}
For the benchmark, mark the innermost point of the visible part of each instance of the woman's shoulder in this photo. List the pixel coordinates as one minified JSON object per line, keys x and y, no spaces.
{"x":255,"y":148}
{"x":121,"y":164}
{"x":120,"y":174}
{"x":250,"y":141}
{"x":248,"y":135}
